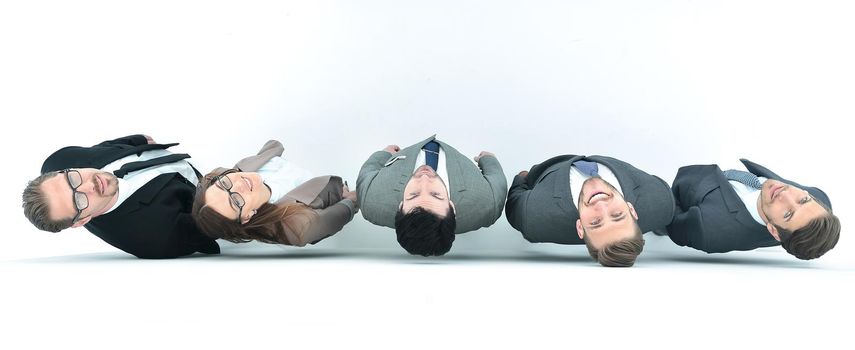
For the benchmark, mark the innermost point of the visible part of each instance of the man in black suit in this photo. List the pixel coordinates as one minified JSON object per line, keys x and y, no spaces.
{"x":600,"y":201}
{"x":719,"y":211}
{"x":130,"y":192}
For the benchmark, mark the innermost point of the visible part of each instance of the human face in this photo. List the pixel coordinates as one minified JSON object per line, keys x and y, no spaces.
{"x":99,"y":188}
{"x":244,"y":185}
{"x":786,"y":206}
{"x":426,"y":190}
{"x":604,"y":215}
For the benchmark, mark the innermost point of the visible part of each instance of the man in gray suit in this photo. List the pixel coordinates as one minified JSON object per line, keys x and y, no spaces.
{"x":429,"y":192}
{"x":599,"y":201}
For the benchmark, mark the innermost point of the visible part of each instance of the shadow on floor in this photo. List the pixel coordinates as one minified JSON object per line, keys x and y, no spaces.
{"x":397,"y":256}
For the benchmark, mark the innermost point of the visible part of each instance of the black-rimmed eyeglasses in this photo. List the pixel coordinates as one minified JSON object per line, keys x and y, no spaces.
{"x":223,"y":182}
{"x":81,"y":201}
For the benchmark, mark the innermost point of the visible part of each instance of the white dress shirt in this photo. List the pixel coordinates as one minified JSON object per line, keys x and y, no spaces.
{"x":749,"y":196}
{"x":282,"y":176}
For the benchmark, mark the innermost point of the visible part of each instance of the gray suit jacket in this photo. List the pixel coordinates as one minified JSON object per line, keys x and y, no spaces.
{"x":478,"y":192}
{"x":540,"y":205}
{"x":328,"y":211}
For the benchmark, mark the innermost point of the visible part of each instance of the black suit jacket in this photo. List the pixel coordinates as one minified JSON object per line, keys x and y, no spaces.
{"x":710,"y":215}
{"x":155,"y":221}
{"x":540,"y":205}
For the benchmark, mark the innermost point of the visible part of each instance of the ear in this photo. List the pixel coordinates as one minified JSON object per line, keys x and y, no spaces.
{"x":773,"y":231}
{"x":249,"y":217}
{"x":401,"y":206}
{"x":453,"y":208}
{"x":81,"y":222}
{"x":579,"y":230}
{"x":632,"y":210}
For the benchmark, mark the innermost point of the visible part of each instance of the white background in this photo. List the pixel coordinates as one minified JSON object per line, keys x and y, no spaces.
{"x":659,"y":84}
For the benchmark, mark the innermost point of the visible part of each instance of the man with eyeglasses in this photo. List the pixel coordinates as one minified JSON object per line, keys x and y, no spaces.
{"x":720,"y":211}
{"x":131,"y":192}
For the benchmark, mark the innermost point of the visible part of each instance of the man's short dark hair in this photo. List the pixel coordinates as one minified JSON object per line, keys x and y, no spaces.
{"x":812,"y":240}
{"x":421,"y":232}
{"x":36,"y":207}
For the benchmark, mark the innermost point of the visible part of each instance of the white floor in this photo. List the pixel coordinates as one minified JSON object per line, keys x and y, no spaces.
{"x":542,"y":296}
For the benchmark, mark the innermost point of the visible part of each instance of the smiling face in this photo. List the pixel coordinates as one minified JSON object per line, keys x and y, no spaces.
{"x":245,"y":186}
{"x":99,"y":189}
{"x":426,"y":190}
{"x":605,"y":216}
{"x":787,"y":206}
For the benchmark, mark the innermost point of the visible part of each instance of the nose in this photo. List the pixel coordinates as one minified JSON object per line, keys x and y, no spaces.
{"x":787,"y":196}
{"x":88,"y":186}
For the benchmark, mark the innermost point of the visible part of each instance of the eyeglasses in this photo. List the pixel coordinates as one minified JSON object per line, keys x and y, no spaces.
{"x":81,"y":201}
{"x":225,"y":184}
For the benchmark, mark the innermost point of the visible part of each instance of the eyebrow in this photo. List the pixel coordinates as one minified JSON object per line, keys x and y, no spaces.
{"x":417,"y":194}
{"x":617,"y":219}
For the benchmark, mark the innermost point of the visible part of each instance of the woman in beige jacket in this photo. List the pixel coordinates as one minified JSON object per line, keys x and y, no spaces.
{"x":257,"y":200}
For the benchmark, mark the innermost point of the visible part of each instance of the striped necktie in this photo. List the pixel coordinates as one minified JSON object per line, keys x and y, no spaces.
{"x":432,"y":154}
{"x":744,"y":177}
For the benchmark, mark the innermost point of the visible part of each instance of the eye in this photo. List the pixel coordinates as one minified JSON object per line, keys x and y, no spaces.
{"x":617,"y":215}
{"x":804,"y":200}
{"x":788,"y":214}
{"x":596,"y":222}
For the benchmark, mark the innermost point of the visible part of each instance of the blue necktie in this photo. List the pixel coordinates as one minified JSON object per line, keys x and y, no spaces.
{"x":586,"y":167}
{"x":432,"y":154}
{"x":744,"y":177}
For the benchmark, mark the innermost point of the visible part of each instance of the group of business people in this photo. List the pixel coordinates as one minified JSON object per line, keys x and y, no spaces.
{"x":136,"y":195}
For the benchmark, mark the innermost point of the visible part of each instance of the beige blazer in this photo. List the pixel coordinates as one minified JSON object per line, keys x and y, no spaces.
{"x":328,"y":211}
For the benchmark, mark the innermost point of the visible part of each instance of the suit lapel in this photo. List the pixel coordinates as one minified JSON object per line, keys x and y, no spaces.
{"x":561,"y":187}
{"x":732,"y":201}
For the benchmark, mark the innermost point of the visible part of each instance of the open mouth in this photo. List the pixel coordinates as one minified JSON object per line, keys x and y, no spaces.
{"x":597,"y":196}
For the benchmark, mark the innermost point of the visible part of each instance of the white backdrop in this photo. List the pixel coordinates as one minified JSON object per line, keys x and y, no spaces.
{"x":659,"y":84}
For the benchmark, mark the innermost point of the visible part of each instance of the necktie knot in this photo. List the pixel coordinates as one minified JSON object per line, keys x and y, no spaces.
{"x":587,"y":168}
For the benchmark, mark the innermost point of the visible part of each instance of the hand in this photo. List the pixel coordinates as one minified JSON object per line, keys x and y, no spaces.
{"x":483,"y":154}
{"x":392,"y":149}
{"x":348,"y":194}
{"x":523,"y":174}
{"x":149,"y":139}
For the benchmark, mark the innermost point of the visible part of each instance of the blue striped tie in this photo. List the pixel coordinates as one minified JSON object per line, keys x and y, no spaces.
{"x":432,"y":154}
{"x":586,"y":167}
{"x":744,"y":177}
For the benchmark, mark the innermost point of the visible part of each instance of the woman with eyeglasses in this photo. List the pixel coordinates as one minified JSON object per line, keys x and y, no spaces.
{"x":268,"y":199}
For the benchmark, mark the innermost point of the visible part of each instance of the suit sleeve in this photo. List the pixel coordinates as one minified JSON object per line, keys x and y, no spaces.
{"x":495,"y":176}
{"x":132,"y":140}
{"x":686,"y":228}
{"x":327,"y":222}
{"x":368,"y":172}
{"x":517,"y":200}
